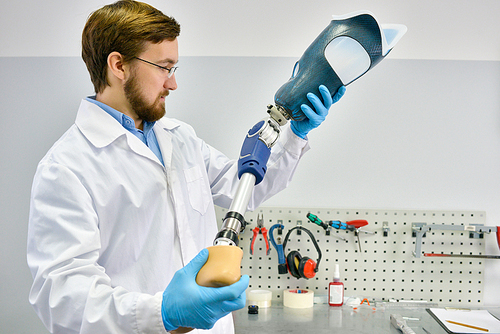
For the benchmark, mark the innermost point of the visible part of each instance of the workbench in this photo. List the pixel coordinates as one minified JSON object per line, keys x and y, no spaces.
{"x":322,"y":318}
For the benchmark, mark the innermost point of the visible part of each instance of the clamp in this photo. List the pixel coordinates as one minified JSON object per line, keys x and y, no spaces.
{"x":260,"y":229}
{"x":419,"y":230}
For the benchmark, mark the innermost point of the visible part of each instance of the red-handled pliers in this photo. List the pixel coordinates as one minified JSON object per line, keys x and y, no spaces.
{"x":260,"y":229}
{"x":498,"y":236}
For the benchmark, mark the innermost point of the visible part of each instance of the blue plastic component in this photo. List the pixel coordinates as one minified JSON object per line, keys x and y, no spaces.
{"x":347,"y":48}
{"x":254,"y":131}
{"x":254,"y":155}
{"x":338,"y":224}
{"x":279,"y":248}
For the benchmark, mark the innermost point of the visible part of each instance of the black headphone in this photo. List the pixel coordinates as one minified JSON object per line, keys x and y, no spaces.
{"x":298,"y":266}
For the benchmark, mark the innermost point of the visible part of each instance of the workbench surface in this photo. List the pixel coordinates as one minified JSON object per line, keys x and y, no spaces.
{"x":322,"y":318}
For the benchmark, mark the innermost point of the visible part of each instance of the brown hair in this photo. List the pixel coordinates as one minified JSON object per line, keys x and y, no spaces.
{"x":124,"y":26}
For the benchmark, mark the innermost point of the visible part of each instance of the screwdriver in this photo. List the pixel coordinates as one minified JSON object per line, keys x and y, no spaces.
{"x":315,"y":219}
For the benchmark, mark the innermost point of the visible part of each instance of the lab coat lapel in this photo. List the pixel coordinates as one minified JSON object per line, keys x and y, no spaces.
{"x":140,"y":148}
{"x":101,"y":129}
{"x":162,"y":131}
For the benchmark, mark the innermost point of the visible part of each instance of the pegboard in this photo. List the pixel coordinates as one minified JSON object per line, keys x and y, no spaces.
{"x":385,"y":268}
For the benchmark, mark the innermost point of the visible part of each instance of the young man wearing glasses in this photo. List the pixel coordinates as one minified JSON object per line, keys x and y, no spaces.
{"x":122,"y":204}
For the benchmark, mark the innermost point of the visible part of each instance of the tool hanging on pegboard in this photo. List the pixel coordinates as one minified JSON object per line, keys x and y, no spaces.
{"x":352,"y":225}
{"x":475,"y":232}
{"x":279,"y":248}
{"x":260,"y":229}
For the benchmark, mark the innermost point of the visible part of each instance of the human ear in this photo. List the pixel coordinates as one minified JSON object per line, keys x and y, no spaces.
{"x":116,"y":65}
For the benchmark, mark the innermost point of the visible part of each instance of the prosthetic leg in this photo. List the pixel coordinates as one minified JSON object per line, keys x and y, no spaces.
{"x":344,"y":51}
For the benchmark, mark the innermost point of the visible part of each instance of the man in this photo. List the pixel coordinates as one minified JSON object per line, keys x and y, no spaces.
{"x":122,"y":204}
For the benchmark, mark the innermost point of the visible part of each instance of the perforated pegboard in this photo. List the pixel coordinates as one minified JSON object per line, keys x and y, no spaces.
{"x":385,"y":268}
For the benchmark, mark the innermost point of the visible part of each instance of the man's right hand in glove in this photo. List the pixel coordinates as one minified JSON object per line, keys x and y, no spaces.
{"x":186,"y":304}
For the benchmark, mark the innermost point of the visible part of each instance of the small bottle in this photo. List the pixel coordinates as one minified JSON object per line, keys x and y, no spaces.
{"x":336,"y":289}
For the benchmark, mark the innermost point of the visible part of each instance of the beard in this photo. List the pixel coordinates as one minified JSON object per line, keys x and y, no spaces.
{"x":146,"y":112}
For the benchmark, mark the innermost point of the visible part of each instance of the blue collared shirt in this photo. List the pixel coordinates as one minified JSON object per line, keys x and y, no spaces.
{"x":147,"y":136}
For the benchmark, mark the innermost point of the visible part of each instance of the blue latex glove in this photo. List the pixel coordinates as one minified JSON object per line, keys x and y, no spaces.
{"x":315,"y":118}
{"x":186,"y":304}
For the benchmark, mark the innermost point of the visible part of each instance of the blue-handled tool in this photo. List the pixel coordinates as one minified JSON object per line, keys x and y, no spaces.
{"x":341,"y":225}
{"x":279,"y":249}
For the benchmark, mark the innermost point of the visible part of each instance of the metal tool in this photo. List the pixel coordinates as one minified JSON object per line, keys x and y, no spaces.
{"x":352,"y":225}
{"x":420,"y":229}
{"x":315,"y":219}
{"x":463,"y":255}
{"x":260,"y":229}
{"x":398,"y":322}
{"x":279,"y":248}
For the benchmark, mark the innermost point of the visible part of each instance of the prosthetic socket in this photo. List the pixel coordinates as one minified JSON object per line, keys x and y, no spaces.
{"x":349,"y":47}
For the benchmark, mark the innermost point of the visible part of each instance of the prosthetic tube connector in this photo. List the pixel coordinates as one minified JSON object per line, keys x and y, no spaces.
{"x":231,"y":227}
{"x":278,"y":114}
{"x":224,"y":260}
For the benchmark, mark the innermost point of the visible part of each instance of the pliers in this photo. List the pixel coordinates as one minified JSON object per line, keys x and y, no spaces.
{"x":260,"y":229}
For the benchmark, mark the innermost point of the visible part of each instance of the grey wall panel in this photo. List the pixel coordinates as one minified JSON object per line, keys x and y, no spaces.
{"x":411,"y":134}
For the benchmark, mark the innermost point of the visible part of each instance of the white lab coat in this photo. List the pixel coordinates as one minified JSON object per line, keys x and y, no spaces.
{"x":109,"y":224}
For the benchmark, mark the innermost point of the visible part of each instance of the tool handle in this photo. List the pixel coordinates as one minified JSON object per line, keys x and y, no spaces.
{"x":498,"y":236}
{"x":255,"y":232}
{"x":264,"y":235}
{"x":271,"y":237}
{"x":282,"y":269}
{"x":339,"y":225}
{"x":279,"y":249}
{"x":279,"y":246}
{"x":315,"y":219}
{"x":357,"y":223}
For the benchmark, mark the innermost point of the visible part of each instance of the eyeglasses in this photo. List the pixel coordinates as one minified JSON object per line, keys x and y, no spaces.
{"x":170,"y":71}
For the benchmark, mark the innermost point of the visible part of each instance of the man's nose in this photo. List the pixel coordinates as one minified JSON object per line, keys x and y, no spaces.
{"x":171,"y":83}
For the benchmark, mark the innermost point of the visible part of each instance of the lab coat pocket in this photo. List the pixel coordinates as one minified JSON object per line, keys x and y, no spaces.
{"x":199,"y":195}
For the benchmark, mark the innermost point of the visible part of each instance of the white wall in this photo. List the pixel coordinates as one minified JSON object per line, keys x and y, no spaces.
{"x":448,"y":29}
{"x":420,"y":131}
